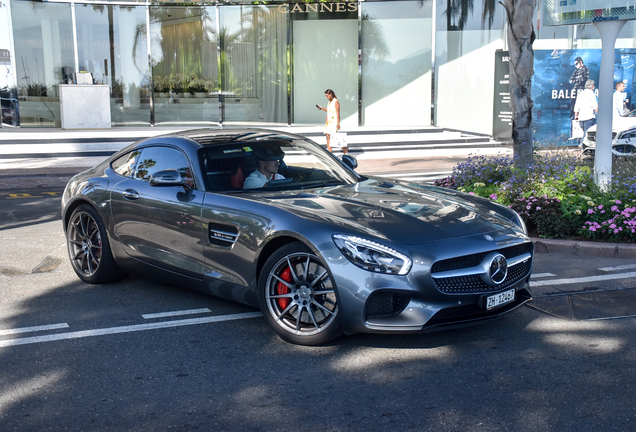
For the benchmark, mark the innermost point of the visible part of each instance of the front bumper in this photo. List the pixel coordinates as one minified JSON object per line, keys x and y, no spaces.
{"x":406,"y":304}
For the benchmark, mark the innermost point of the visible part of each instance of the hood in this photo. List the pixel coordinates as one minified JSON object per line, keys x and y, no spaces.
{"x":619,"y":124}
{"x":401,"y":212}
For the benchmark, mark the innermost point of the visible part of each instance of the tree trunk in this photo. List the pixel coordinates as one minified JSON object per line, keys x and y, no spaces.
{"x":520,"y":38}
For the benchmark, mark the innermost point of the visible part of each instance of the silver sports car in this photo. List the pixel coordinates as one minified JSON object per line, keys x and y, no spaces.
{"x":274,"y":221}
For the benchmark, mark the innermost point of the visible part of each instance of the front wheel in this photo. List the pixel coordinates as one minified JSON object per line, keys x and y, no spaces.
{"x":298,"y":298}
{"x":88,"y":247}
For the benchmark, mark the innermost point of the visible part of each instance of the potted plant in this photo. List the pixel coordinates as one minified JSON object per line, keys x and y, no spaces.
{"x":199,"y":87}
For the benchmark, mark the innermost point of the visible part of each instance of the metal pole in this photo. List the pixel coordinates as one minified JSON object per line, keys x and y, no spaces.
{"x":75,"y":47}
{"x":150,"y":71}
{"x":603,"y":155}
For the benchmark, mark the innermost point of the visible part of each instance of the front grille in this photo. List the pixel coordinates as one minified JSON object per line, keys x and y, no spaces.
{"x":468,"y":261}
{"x":466,"y":284}
{"x":591,"y":136}
{"x":383,"y":304}
{"x":474,"y":284}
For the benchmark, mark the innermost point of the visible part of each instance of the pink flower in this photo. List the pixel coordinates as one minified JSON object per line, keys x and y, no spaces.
{"x":612,"y":226}
{"x":590,"y":211}
{"x":538,"y":208}
{"x":600,"y":207}
{"x":493,"y":196}
{"x":615,"y":231}
{"x":618,"y":202}
{"x":614,"y":208}
{"x":602,"y":211}
{"x":528,"y":207}
{"x":592,"y":228}
{"x":471,"y":193}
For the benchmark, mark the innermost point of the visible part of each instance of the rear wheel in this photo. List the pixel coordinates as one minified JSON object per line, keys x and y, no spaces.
{"x":88,"y":247}
{"x":298,"y":297}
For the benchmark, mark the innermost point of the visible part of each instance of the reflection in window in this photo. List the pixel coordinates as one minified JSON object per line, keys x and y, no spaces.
{"x":254,"y":64}
{"x":125,"y":165}
{"x":43,"y":38}
{"x":154,"y":159}
{"x":184,"y":64}
{"x":112,"y":46}
{"x":396,"y":76}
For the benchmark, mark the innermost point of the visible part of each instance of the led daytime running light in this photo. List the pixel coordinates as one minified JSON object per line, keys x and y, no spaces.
{"x":348,"y":243}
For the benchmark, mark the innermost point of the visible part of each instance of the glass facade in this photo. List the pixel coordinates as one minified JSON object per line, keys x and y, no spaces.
{"x":44,"y":55}
{"x":391,"y":63}
{"x":111,"y":44}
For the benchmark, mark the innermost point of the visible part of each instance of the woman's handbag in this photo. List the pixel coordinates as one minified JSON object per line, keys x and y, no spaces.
{"x":339,"y":140}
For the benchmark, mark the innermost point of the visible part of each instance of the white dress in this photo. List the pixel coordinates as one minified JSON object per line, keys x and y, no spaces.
{"x":331,"y":126}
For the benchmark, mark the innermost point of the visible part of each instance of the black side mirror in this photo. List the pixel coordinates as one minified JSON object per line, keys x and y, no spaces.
{"x":350,"y":161}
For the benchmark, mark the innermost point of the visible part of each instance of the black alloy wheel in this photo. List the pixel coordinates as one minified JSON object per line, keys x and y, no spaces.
{"x":88,"y":247}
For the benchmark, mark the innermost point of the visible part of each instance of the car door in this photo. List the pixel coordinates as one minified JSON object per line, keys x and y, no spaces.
{"x":160,"y":225}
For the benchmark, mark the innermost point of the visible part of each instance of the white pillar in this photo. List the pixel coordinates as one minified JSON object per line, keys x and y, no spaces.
{"x":608,"y":31}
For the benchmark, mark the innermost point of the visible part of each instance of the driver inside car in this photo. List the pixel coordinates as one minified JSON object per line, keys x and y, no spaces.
{"x":267,"y":163}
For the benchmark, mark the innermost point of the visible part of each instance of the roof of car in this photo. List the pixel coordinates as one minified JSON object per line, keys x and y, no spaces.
{"x":208,"y":136}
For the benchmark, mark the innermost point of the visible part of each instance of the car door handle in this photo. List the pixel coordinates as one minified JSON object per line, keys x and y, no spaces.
{"x":130,"y":194}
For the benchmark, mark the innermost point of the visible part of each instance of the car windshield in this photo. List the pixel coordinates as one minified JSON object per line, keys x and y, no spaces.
{"x":271,"y":163}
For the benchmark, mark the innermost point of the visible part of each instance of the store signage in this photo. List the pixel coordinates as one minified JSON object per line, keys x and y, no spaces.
{"x":502,"y":118}
{"x":564,"y":12}
{"x":318,"y":7}
{"x":5,"y":56}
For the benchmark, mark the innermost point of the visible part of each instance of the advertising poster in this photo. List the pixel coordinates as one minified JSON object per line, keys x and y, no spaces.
{"x":554,"y":88}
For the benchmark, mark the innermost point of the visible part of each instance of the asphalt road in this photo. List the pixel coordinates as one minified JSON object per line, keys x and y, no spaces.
{"x":143,"y":356}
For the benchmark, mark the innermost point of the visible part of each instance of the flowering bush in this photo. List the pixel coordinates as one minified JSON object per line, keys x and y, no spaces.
{"x":611,"y":222}
{"x":556,"y":196}
{"x":545,"y":215}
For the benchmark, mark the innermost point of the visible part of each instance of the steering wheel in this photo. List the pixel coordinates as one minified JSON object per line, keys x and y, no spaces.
{"x":302,"y":174}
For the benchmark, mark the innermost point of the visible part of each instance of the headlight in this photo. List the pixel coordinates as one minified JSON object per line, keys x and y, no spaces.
{"x":519,"y":221}
{"x":372,"y":256}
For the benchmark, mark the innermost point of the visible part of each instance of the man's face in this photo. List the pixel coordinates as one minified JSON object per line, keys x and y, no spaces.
{"x":269,"y":167}
{"x":620,"y":87}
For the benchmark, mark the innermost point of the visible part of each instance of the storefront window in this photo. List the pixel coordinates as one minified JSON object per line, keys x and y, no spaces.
{"x":466,"y":40}
{"x":254,"y":64}
{"x":112,"y":47}
{"x":325,"y":56}
{"x":43,"y":39}
{"x":184,"y":65}
{"x":396,"y":63}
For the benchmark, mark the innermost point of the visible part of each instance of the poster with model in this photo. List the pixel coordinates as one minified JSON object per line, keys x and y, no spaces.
{"x":558,"y":76}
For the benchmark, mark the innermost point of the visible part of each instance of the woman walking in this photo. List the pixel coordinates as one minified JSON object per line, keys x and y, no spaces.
{"x":333,"y":118}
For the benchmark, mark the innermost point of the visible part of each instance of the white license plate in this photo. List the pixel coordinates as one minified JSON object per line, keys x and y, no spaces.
{"x":499,"y":299}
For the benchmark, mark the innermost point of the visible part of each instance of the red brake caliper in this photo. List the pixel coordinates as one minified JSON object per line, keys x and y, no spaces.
{"x":281,"y":288}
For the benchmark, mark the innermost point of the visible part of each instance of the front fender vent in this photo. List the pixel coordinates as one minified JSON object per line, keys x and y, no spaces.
{"x":222,"y":235}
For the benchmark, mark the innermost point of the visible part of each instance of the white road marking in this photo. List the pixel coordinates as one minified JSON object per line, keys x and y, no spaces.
{"x":176,"y":313}
{"x":127,"y":329}
{"x":622,"y":267}
{"x":33,"y":329}
{"x":583,"y":279}
{"x":540,"y":275}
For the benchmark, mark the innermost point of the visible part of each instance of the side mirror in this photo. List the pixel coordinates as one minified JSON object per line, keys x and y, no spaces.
{"x":169,"y":177}
{"x":350,"y":161}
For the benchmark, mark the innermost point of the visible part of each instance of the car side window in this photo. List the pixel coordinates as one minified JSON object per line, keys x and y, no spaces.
{"x":125,"y":165}
{"x":158,"y":158}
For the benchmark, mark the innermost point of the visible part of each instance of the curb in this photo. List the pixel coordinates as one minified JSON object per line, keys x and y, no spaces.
{"x":584,"y":248}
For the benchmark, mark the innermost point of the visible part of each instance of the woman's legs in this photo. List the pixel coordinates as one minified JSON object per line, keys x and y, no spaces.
{"x":328,"y":142}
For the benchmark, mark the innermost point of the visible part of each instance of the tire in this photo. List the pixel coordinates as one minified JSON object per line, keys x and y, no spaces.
{"x":298,"y":297}
{"x":88,"y":247}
